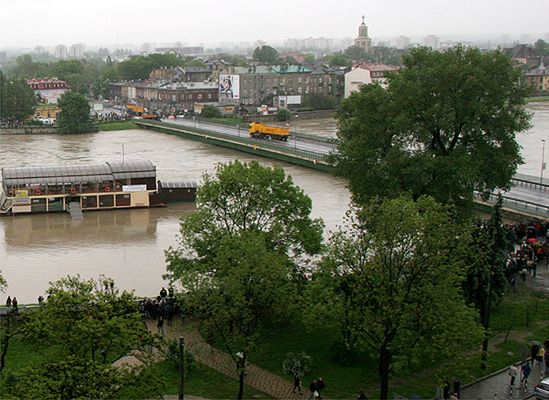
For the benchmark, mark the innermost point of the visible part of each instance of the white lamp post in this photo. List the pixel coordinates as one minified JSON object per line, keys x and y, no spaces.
{"x":542,"y":160}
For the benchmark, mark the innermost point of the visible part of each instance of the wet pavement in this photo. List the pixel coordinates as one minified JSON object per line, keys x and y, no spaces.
{"x":496,"y":386}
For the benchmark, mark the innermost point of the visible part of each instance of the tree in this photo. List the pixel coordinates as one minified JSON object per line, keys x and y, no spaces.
{"x":210,"y":112}
{"x":486,"y":281}
{"x":265,"y":54}
{"x":238,"y":254}
{"x":338,"y":60}
{"x":139,"y":67}
{"x":17,"y":100}
{"x":91,"y":324}
{"x":247,"y":197}
{"x":75,"y":114}
{"x":297,"y":365}
{"x":400,"y":266}
{"x":357,"y":53}
{"x":283,"y":115}
{"x":542,"y":47}
{"x":444,"y":127}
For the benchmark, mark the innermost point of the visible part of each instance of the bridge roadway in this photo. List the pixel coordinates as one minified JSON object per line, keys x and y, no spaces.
{"x":526,"y":195}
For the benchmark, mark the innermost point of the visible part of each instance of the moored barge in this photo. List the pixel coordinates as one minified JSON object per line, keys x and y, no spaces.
{"x":77,"y":188}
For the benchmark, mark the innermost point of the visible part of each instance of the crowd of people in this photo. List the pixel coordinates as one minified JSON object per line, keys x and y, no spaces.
{"x":163,"y":308}
{"x":530,"y":249}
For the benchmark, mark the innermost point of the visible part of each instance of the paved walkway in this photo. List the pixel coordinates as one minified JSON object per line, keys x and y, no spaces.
{"x":497,"y":386}
{"x":258,"y":378}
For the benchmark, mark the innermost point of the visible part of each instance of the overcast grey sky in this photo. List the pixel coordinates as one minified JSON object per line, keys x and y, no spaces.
{"x":47,"y":23}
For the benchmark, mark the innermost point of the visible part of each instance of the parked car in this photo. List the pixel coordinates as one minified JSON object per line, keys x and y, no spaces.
{"x":542,"y":389}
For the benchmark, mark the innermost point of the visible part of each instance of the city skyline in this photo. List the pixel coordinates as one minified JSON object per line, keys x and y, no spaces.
{"x":170,"y":21}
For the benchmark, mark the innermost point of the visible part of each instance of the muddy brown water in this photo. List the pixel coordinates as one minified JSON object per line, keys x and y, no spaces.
{"x":128,"y":245}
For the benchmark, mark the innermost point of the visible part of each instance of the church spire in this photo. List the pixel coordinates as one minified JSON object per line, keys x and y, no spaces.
{"x":363,"y":19}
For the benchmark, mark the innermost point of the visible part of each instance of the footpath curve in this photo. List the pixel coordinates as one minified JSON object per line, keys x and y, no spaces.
{"x":258,"y":378}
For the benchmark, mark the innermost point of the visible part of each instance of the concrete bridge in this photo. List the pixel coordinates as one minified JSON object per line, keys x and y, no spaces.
{"x":528,"y":197}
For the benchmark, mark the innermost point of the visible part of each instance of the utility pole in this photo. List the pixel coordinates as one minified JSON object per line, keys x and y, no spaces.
{"x":542,"y":160}
{"x":181,"y":368}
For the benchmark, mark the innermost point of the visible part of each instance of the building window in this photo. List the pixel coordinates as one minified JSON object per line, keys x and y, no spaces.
{"x":123,"y":200}
{"x":199,"y":96}
{"x":209,"y":96}
{"x":89,"y":201}
{"x":106,"y":200}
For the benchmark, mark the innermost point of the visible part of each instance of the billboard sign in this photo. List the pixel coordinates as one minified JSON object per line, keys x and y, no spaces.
{"x":229,"y":87}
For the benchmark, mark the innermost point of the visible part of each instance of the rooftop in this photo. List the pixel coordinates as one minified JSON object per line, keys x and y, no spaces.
{"x":108,"y":171}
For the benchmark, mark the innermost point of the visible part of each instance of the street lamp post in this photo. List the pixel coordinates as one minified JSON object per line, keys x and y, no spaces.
{"x":542,"y":160}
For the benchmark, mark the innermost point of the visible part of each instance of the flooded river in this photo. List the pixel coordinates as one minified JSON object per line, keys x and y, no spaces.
{"x":128,"y":245}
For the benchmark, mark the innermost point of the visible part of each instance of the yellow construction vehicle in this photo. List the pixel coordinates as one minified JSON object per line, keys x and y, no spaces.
{"x":259,"y":130}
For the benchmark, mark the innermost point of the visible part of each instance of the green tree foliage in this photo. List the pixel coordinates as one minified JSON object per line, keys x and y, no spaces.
{"x":74,"y":378}
{"x":297,"y":365}
{"x":542,"y":47}
{"x":356,"y":53}
{"x":338,"y":60}
{"x":238,"y":254}
{"x":139,"y":67}
{"x":26,"y":67}
{"x":266,"y":55}
{"x":283,"y":115}
{"x":17,"y":100}
{"x":247,"y":197}
{"x":395,"y":274}
{"x":75,"y":114}
{"x":444,"y":127}
{"x":91,"y":324}
{"x":319,"y":101}
{"x":486,"y":281}
{"x":210,"y":112}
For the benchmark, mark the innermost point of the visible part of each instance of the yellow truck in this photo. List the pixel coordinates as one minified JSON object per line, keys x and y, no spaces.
{"x":259,"y":130}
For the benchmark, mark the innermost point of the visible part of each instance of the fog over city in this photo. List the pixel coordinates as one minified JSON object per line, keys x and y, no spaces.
{"x":208,"y":22}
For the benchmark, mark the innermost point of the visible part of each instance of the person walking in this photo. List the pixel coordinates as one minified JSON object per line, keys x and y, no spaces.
{"x":160,"y":325}
{"x":457,"y":388}
{"x":525,"y":374}
{"x":513,"y":372}
{"x":297,"y":384}
{"x":163,"y":293}
{"x":8,"y":302}
{"x":14,"y":304}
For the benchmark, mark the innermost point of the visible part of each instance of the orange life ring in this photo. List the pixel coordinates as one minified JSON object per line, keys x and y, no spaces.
{"x":72,"y":190}
{"x":37,"y":192}
{"x":107,"y":188}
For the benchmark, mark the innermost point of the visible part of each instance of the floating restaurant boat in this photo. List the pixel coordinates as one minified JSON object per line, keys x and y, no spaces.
{"x":77,"y":188}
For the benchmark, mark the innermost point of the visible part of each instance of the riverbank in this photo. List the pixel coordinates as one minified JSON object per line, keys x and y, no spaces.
{"x":116,"y":126}
{"x":537,"y":99}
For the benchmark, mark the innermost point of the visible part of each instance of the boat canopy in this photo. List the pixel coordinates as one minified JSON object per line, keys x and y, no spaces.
{"x":108,"y":171}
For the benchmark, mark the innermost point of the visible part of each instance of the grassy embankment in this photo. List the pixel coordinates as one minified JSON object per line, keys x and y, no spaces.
{"x":201,"y":381}
{"x":521,"y":317}
{"x":537,"y":99}
{"x":117,"y":125}
{"x":524,"y":314}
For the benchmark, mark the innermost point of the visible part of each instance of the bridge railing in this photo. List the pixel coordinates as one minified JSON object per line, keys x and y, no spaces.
{"x":263,"y":144}
{"x":530,"y":184}
{"x":518,"y":205}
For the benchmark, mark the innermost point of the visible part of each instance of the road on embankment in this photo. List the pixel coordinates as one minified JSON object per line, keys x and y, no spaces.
{"x":295,"y":142}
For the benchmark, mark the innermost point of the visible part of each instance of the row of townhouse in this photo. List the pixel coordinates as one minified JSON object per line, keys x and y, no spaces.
{"x":278,"y":86}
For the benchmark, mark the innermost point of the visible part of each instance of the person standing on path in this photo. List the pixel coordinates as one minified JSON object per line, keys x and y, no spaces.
{"x":513,"y":372}
{"x":14,"y":304}
{"x":445,"y":389}
{"x":160,"y":325}
{"x":525,"y":374}
{"x":457,"y":388}
{"x":8,"y":302}
{"x":297,"y":384}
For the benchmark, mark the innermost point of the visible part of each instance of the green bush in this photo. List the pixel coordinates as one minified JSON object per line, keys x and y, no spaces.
{"x":210,"y":112}
{"x":282,"y":115}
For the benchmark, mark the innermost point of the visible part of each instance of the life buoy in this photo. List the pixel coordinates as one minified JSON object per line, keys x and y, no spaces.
{"x":37,"y":192}
{"x":107,"y":188}
{"x":72,"y":190}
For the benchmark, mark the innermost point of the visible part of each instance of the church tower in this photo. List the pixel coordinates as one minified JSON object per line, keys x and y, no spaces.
{"x":363,"y":41}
